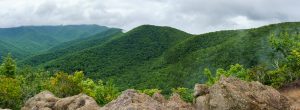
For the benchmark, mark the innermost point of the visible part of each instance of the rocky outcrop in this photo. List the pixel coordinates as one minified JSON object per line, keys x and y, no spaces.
{"x":176,"y":103}
{"x":132,"y":100}
{"x":234,"y":94}
{"x":42,"y":101}
{"x":158,"y":97}
{"x":77,"y":102}
{"x":227,"y":94}
{"x":47,"y":101}
{"x":292,"y":92}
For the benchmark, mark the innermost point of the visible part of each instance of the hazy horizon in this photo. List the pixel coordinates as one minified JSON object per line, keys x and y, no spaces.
{"x":193,"y":16}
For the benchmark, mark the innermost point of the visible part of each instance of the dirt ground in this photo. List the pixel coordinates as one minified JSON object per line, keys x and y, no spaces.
{"x":292,"y":91}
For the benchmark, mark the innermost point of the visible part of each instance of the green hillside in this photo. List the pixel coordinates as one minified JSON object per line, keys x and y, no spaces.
{"x":164,"y":57}
{"x":71,"y":46}
{"x":35,"y":39}
{"x":6,"y":48}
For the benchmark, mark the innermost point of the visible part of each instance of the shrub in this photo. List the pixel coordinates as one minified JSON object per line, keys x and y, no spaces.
{"x":186,"y":94}
{"x":64,"y":85}
{"x":236,"y":70}
{"x":105,"y":92}
{"x":150,"y":92}
{"x":10,"y":93}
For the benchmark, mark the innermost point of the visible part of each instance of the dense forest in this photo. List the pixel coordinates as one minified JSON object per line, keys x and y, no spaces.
{"x":163,"y":57}
{"x":150,"y":59}
{"x":29,"y":40}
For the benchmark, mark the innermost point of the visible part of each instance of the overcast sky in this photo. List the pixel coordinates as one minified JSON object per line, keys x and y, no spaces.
{"x":193,"y":16}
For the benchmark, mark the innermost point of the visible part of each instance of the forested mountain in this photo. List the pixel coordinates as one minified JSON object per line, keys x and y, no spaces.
{"x":28,"y":40}
{"x":72,"y":46}
{"x":163,"y":57}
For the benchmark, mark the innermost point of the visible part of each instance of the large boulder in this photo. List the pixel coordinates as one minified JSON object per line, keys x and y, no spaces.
{"x":292,"y":92}
{"x":42,"y":101}
{"x":176,"y":103}
{"x":234,"y":94}
{"x":132,"y":100}
{"x":47,"y":101}
{"x":77,"y":102}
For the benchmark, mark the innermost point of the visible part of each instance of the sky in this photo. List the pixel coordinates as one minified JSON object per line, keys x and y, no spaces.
{"x":193,"y":16}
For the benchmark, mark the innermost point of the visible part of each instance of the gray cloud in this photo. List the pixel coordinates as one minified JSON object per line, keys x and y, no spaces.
{"x":194,"y":16}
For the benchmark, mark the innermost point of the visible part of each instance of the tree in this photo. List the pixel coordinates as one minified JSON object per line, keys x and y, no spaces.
{"x":8,"y":66}
{"x":287,"y":70}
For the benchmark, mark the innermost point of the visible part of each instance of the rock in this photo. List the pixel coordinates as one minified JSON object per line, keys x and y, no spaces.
{"x":201,"y":103}
{"x":200,"y":89}
{"x":77,"y":102}
{"x":132,"y":100}
{"x":47,"y":101}
{"x":292,"y":92}
{"x":234,"y":94}
{"x":176,"y":103}
{"x":42,"y":101}
{"x":158,"y":97}
{"x":4,"y":109}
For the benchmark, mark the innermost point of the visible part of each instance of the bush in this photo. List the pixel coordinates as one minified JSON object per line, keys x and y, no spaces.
{"x":149,"y":92}
{"x":236,"y":70}
{"x":186,"y":94}
{"x":10,"y":93}
{"x":105,"y":92}
{"x":64,"y":85}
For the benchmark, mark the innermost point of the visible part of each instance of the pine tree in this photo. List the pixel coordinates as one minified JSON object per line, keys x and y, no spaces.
{"x":8,"y":66}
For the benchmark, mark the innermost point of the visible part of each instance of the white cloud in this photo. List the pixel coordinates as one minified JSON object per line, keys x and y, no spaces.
{"x":194,"y":16}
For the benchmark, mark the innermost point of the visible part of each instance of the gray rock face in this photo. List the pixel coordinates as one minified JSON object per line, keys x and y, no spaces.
{"x":234,"y":94}
{"x":47,"y":101}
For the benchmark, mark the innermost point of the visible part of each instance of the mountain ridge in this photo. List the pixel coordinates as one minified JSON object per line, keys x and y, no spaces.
{"x":164,"y":57}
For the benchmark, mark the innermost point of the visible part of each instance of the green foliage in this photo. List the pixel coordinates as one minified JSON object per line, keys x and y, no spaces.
{"x":101,"y":92}
{"x":33,"y":81}
{"x":8,"y":66}
{"x":64,"y":85}
{"x":105,"y":92}
{"x":150,"y":92}
{"x":210,"y":78}
{"x":10,"y":93}
{"x":287,"y":69}
{"x":186,"y":94}
{"x":236,"y":70}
